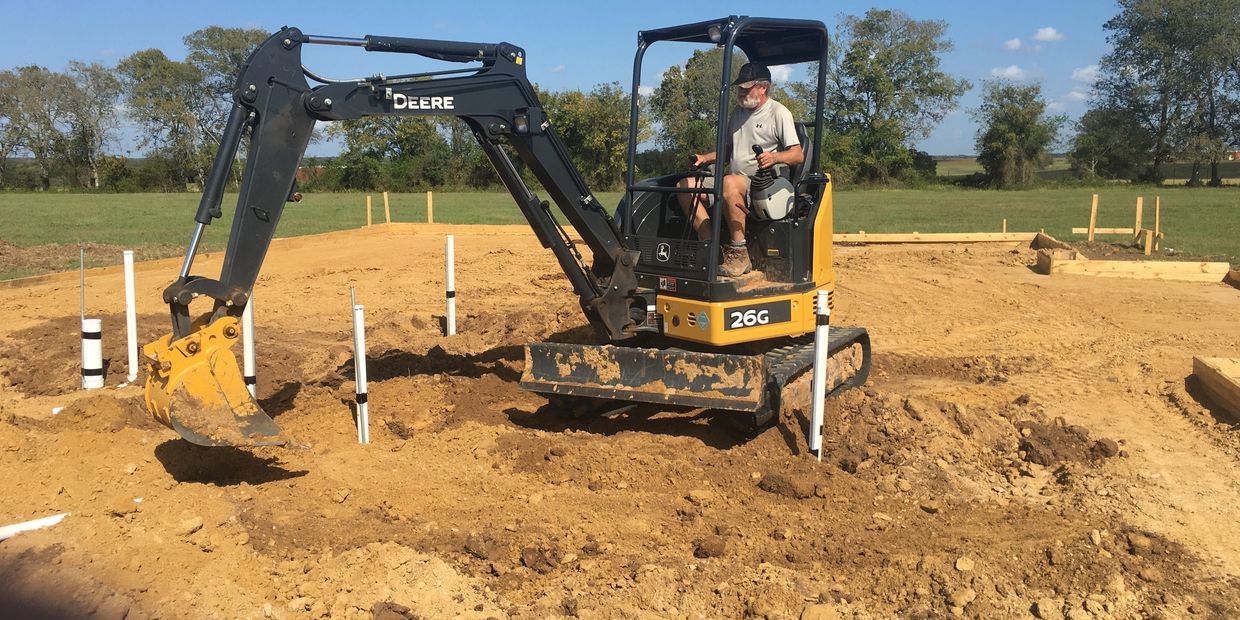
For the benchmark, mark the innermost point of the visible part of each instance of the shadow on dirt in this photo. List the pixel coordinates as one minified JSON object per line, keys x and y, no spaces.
{"x":25,"y":596}
{"x":220,"y":466}
{"x":713,"y":427}
{"x":281,"y":400}
{"x":1193,"y":386}
{"x":396,"y":363}
{"x":790,"y":435}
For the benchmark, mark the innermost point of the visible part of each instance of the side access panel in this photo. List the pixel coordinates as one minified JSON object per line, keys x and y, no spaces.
{"x":723,"y":323}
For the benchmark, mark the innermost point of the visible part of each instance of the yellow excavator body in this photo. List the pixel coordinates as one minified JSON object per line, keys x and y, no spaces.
{"x":677,"y":332}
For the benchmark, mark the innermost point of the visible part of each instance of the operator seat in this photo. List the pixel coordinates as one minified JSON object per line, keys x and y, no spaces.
{"x":797,"y":172}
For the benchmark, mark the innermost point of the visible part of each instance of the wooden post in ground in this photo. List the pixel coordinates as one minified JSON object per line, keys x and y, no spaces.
{"x":1136,"y":228}
{"x":369,"y":218}
{"x":1157,"y":221}
{"x":1149,"y":241}
{"x":1005,"y":225}
{"x":430,"y":208}
{"x":387,"y":211}
{"x":1093,"y":217}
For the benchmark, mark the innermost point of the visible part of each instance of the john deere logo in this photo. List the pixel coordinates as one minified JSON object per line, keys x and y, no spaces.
{"x":663,"y":252}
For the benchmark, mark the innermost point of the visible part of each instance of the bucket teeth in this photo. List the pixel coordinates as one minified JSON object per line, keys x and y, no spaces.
{"x":195,"y":387}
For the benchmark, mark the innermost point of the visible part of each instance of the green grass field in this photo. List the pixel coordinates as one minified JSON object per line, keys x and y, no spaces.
{"x":1197,"y":222}
{"x":958,"y":167}
{"x":1177,"y":173}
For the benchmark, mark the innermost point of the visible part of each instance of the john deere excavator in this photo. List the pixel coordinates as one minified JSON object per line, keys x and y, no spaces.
{"x":671,"y":330}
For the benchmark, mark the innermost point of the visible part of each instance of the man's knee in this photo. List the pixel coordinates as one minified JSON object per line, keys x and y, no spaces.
{"x":735,"y":184}
{"x":685,"y":200}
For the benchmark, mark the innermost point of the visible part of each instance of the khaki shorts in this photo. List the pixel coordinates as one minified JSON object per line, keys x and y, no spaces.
{"x":709,"y":182}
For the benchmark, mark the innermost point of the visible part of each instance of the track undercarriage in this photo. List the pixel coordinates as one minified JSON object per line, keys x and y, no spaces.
{"x":746,"y":382}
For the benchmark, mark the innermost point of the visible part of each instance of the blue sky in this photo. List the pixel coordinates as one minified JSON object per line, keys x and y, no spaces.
{"x":574,"y":44}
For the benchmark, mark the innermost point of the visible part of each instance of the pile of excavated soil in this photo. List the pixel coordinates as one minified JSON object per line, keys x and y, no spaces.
{"x":40,"y":360}
{"x":1026,"y":447}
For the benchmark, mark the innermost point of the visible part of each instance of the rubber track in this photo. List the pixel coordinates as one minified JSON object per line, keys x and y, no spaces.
{"x":785,"y":363}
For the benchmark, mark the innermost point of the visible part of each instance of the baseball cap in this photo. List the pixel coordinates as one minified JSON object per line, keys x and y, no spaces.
{"x":752,"y":72}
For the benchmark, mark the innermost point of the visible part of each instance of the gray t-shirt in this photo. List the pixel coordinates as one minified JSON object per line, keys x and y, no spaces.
{"x":770,"y":127}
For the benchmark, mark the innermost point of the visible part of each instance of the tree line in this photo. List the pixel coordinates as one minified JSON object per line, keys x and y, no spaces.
{"x":1169,"y":90}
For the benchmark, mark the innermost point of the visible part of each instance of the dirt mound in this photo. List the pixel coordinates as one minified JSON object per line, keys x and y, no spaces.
{"x":1051,"y":444}
{"x":103,"y":413}
{"x":45,"y":360}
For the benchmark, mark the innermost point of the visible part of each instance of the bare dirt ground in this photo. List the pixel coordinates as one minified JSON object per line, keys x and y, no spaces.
{"x":1027,"y":446}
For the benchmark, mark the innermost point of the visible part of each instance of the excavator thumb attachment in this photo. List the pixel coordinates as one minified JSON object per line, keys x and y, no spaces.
{"x":195,"y":388}
{"x":736,"y":382}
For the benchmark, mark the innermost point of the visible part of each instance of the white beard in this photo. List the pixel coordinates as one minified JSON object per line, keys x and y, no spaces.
{"x":750,"y":102}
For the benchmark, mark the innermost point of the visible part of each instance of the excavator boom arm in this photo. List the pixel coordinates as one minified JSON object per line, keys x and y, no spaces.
{"x":496,"y":100}
{"x":277,"y":105}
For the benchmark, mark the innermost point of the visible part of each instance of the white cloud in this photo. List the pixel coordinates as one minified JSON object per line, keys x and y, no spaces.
{"x":1076,"y":95}
{"x":1048,"y":34}
{"x":646,"y":91}
{"x":1012,"y":44}
{"x":1087,"y":74}
{"x":1010,"y":72}
{"x":557,"y":69}
{"x":781,"y":73}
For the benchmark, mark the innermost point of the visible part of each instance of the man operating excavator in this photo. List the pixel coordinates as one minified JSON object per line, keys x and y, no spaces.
{"x":758,"y":121}
{"x":649,"y":289}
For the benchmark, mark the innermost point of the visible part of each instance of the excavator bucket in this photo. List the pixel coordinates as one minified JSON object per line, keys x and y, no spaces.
{"x":736,"y":382}
{"x":195,"y":388}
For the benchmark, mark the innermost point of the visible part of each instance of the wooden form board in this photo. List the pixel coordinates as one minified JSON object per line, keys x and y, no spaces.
{"x":932,"y":237}
{"x":1220,"y":376}
{"x":1142,"y":236}
{"x":1104,"y":231}
{"x":1069,"y":261}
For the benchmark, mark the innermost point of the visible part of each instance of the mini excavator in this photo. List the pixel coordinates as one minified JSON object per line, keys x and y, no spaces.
{"x":671,"y":329}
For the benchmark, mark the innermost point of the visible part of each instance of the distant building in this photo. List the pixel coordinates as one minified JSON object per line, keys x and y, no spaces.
{"x":310,"y":173}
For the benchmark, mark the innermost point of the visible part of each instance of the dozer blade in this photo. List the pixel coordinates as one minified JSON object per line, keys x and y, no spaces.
{"x":752,"y":383}
{"x":713,"y":380}
{"x":195,"y":388}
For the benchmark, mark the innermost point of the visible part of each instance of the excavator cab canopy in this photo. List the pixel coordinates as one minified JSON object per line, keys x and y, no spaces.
{"x":770,"y":41}
{"x":766,"y":40}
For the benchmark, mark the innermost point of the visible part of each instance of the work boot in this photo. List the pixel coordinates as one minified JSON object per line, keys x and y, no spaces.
{"x":735,"y":260}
